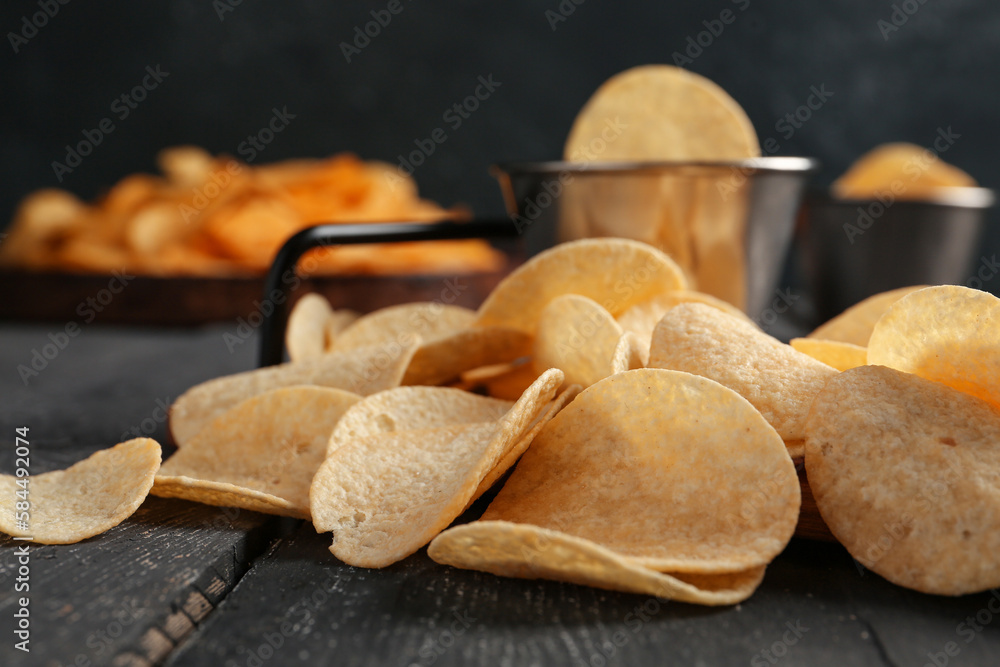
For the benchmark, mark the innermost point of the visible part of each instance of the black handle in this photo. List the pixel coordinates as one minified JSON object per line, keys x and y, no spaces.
{"x":272,"y":335}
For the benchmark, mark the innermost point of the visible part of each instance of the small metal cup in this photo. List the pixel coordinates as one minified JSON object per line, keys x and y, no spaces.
{"x":729,"y":225}
{"x":854,"y":248}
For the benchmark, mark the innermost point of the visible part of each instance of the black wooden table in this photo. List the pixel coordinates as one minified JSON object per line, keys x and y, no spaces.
{"x":186,"y":584}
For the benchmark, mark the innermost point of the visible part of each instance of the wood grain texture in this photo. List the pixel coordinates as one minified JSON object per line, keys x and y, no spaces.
{"x":420,"y":613}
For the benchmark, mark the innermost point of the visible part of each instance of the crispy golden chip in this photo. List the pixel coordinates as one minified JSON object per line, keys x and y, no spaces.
{"x":512,"y":384}
{"x":948,"y":334}
{"x":305,"y":337}
{"x":87,"y":498}
{"x":580,"y":338}
{"x":529,"y":552}
{"x":339,"y":320}
{"x":906,"y":473}
{"x":438,"y":361}
{"x":224,"y":494}
{"x":699,"y":482}
{"x":272,"y":443}
{"x":776,"y":379}
{"x":660,"y":113}
{"x":414,"y":408}
{"x":429,"y":320}
{"x":643,"y":317}
{"x":907,"y":171}
{"x":363,"y":371}
{"x":616,"y":273}
{"x":386,"y":495}
{"x":839,"y":355}
{"x":855,"y":324}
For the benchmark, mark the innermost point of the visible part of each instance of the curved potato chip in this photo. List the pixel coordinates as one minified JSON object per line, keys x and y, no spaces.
{"x":305,"y":337}
{"x":699,"y":482}
{"x":429,"y":320}
{"x":272,"y":443}
{"x":512,"y":384}
{"x":446,"y":358}
{"x":387,"y":495}
{"x":580,"y":338}
{"x":224,"y":494}
{"x":361,"y":371}
{"x":338,"y":320}
{"x":87,"y":498}
{"x":616,"y":273}
{"x":906,"y":474}
{"x":529,"y":552}
{"x":834,"y":353}
{"x":948,"y":334}
{"x":855,"y":324}
{"x":906,"y":170}
{"x":661,"y":113}
{"x":643,"y":317}
{"x":777,"y":380}
{"x":412,"y":408}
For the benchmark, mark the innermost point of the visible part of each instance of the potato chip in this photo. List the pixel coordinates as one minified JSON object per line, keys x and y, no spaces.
{"x":906,"y":474}
{"x":580,"y":338}
{"x":512,"y":384}
{"x":948,"y":334}
{"x":855,"y":324}
{"x":529,"y":552}
{"x":87,"y":498}
{"x":660,"y":113}
{"x":429,"y":320}
{"x":386,"y":495}
{"x":642,"y":318}
{"x":839,"y":355}
{"x":616,"y":273}
{"x":906,"y":171}
{"x":338,"y":320}
{"x":272,"y":443}
{"x":776,"y":379}
{"x":438,"y":361}
{"x":305,"y":336}
{"x":361,"y":371}
{"x":699,"y":482}
{"x":414,"y":408}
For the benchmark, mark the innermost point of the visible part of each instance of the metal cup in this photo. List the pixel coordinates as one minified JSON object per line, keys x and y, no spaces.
{"x":729,"y":225}
{"x":854,"y":248}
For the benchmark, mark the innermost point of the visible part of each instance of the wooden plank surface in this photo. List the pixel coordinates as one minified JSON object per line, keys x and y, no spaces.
{"x":814,"y":608}
{"x":128,"y":596}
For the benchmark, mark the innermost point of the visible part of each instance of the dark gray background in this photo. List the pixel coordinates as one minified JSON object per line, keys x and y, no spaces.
{"x":939,"y":70}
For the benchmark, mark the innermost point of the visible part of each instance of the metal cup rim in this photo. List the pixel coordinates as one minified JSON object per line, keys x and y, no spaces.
{"x":945,"y":197}
{"x":771,"y":164}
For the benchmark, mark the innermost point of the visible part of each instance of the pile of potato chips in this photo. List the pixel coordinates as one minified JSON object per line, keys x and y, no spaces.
{"x":214,"y":216}
{"x":900,"y":171}
{"x":643,"y":435}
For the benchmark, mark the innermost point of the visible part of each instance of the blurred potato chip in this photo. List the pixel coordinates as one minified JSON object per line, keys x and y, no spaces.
{"x":776,"y":379}
{"x":906,"y":474}
{"x":272,"y":443}
{"x":906,"y":170}
{"x":438,"y":361}
{"x":338,"y":320}
{"x":616,"y":273}
{"x":512,"y":383}
{"x":529,"y":552}
{"x":580,"y":338}
{"x":365,"y":492}
{"x":643,"y":317}
{"x":855,"y":324}
{"x":839,"y":355}
{"x":698,"y":480}
{"x":429,"y":320}
{"x":948,"y":334}
{"x":87,"y":498}
{"x":361,"y":371}
{"x":660,"y":113}
{"x":306,"y":333}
